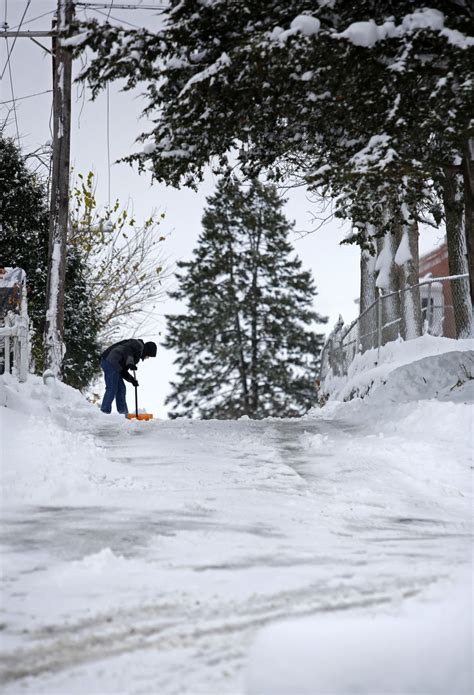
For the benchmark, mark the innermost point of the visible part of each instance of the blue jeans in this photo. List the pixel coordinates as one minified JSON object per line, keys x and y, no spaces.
{"x":114,"y":389}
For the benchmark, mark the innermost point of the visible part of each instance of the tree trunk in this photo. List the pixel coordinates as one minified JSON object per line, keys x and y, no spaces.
{"x":457,"y":251}
{"x":407,"y":258}
{"x":368,"y":297}
{"x":254,"y":348}
{"x":388,"y":283}
{"x":254,"y":321}
{"x":468,"y":176}
{"x":238,"y":332}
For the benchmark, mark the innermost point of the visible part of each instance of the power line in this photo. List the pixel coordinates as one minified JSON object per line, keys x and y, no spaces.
{"x":108,"y":121}
{"x":108,"y":140}
{"x":9,"y":53}
{"x":116,"y":19}
{"x":13,"y":95}
{"x":45,"y":14}
{"x":110,"y":10}
{"x":8,"y":65}
{"x":28,"y":96}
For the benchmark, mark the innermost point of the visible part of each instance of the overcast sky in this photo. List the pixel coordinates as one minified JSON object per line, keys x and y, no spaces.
{"x":97,"y":129}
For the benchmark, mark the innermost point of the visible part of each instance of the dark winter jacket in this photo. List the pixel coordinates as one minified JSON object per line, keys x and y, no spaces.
{"x":124,"y":355}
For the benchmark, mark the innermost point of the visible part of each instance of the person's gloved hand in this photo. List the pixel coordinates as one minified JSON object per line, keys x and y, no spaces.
{"x":134,"y":382}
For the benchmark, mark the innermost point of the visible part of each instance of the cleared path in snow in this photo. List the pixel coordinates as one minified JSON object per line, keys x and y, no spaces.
{"x":206,"y":531}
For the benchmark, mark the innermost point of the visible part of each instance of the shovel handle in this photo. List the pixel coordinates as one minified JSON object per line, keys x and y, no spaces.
{"x":136,"y":392}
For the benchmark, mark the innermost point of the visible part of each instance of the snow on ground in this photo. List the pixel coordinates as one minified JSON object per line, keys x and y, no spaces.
{"x":429,"y":379}
{"x":424,"y":646}
{"x":325,"y":555}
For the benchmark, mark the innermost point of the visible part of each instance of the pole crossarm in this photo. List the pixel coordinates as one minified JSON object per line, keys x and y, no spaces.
{"x":26,"y":34}
{"x":120,"y":6}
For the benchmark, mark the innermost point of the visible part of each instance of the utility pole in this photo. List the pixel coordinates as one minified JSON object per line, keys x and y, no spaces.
{"x":59,"y":210}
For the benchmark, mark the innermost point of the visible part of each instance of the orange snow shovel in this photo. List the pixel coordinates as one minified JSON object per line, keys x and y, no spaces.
{"x":136,"y":415}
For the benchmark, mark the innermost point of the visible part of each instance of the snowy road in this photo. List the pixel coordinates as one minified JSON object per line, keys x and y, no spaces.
{"x":189,"y":536}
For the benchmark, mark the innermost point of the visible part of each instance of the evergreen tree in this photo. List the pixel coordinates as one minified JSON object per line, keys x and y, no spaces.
{"x":24,"y":232}
{"x":24,"y":236}
{"x":364,"y":100}
{"x":82,"y":324}
{"x":246,"y":345}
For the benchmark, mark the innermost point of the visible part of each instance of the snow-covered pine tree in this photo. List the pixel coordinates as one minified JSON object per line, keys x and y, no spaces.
{"x":246,"y":344}
{"x":82,"y":324}
{"x":24,"y":236}
{"x":362,"y":99}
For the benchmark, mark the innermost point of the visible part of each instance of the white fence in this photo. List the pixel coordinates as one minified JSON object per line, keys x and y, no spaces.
{"x":14,"y":323}
{"x":440,"y":302}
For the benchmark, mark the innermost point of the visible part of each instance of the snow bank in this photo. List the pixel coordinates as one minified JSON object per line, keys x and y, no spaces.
{"x":424,"y":649}
{"x":408,"y":436}
{"x":47,"y":454}
{"x":426,"y":367}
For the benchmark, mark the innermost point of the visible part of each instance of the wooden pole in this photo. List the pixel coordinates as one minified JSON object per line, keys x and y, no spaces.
{"x":59,"y":209}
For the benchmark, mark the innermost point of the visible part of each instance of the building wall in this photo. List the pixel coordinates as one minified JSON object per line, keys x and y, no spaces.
{"x":435,"y":264}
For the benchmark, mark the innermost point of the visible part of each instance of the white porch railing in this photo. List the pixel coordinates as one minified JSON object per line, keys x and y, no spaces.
{"x":14,"y":324}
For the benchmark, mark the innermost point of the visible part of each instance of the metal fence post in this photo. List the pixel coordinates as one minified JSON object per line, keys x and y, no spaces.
{"x":428,"y":309}
{"x":6,"y":346}
{"x":379,"y":324}
{"x":24,"y":350}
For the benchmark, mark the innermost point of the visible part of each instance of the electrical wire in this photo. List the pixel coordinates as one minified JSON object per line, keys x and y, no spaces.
{"x":45,"y":14}
{"x":108,"y":141}
{"x":14,"y":101}
{"x":9,"y":53}
{"x":108,"y":121}
{"x":28,"y":96}
{"x":110,"y":10}
{"x":116,"y":19}
{"x":81,"y":94}
{"x":11,"y":79}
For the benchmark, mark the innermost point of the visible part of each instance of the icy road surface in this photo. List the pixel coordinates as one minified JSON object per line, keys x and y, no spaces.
{"x":154,"y":567}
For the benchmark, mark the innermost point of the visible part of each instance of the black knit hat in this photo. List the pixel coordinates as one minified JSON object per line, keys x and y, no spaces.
{"x":149,"y":350}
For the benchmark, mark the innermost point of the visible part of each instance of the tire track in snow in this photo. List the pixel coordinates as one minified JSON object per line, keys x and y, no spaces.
{"x":122,"y":632}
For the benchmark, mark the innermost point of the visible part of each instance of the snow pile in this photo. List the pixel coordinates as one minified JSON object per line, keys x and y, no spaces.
{"x":47,"y":454}
{"x":425,"y":649}
{"x":426,"y":367}
{"x":418,"y":427}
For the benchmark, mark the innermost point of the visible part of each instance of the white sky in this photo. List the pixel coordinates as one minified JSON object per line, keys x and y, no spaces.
{"x":335,"y":268}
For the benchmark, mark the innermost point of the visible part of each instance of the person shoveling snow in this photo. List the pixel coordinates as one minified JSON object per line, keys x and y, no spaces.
{"x":116,"y":361}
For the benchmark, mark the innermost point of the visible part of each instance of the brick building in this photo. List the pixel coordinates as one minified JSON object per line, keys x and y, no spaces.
{"x":436,"y":298}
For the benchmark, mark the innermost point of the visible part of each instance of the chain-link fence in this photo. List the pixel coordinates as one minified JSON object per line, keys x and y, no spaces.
{"x":438,"y":306}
